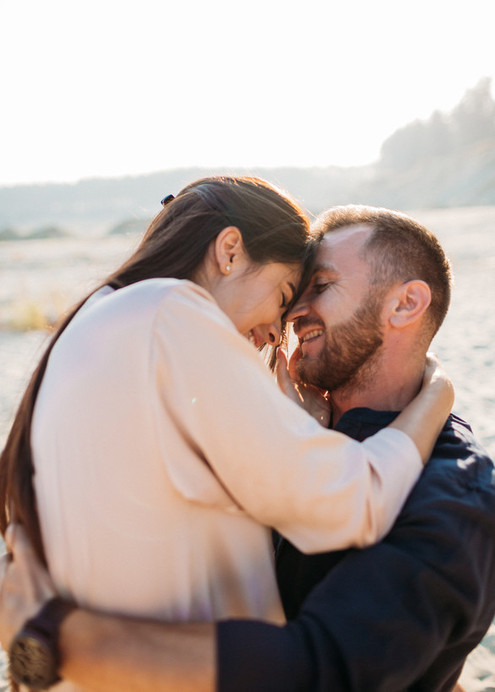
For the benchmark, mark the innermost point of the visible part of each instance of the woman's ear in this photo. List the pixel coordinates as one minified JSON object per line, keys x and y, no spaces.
{"x":228,"y":246}
{"x":409,"y":303}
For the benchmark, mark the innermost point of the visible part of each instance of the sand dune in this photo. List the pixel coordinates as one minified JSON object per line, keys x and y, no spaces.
{"x":40,"y":278}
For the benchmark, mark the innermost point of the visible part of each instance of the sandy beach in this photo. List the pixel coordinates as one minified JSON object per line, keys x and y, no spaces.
{"x":41,"y":278}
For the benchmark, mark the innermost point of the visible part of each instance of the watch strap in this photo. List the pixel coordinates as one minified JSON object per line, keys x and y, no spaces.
{"x":49,"y":618}
{"x":38,"y":638}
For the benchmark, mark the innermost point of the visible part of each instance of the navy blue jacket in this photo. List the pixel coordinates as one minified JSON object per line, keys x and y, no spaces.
{"x":400,"y":615}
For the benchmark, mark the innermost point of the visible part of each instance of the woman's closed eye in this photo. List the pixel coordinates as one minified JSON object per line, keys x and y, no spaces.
{"x":288,"y":297}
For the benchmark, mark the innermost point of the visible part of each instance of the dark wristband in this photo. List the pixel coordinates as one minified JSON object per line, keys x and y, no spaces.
{"x":34,"y":656}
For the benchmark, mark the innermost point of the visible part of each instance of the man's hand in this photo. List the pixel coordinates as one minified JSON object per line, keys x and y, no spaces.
{"x":310,"y":398}
{"x":25,"y":585}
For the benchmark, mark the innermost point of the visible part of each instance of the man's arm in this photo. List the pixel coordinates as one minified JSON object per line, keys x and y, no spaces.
{"x":410,"y":607}
{"x":402,"y":613}
{"x":102,"y":653}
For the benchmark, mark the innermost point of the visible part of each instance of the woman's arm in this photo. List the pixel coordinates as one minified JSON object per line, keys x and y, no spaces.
{"x":424,"y":417}
{"x":318,"y":487}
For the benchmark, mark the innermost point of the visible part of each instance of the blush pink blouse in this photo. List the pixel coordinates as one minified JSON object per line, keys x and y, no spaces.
{"x":164,"y":450}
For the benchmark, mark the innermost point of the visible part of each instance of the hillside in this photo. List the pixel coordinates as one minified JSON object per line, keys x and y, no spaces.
{"x":445,"y":161}
{"x":465,"y":178}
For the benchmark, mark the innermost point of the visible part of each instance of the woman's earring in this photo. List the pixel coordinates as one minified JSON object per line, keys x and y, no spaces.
{"x":228,"y":268}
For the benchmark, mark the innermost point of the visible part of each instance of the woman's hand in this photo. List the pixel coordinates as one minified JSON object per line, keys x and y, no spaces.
{"x":311,"y":399}
{"x":25,"y":585}
{"x":436,"y":381}
{"x":435,"y":375}
{"x":424,"y":417}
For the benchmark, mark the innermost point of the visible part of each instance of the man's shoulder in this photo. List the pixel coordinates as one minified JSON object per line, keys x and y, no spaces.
{"x":455,"y":421}
{"x":458,"y":444}
{"x":459,"y":474}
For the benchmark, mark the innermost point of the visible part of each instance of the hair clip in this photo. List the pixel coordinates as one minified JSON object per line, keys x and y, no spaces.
{"x":166,"y":200}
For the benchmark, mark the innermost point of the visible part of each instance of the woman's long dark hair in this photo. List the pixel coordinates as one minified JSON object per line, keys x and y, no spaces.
{"x":273,"y":228}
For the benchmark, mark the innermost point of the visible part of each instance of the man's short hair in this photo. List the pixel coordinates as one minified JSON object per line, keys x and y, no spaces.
{"x":400,"y":249}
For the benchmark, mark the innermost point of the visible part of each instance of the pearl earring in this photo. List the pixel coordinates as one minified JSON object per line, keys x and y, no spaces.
{"x":228,"y":268}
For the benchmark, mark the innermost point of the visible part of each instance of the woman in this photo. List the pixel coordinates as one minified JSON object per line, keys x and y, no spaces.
{"x":152,"y":448}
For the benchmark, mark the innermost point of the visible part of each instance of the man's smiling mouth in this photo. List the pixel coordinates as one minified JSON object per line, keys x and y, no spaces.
{"x":313,"y":334}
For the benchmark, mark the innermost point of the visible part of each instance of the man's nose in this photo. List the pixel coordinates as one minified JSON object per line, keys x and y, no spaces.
{"x":300,"y":309}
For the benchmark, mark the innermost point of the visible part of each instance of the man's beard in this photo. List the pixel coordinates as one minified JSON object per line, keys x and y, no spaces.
{"x":350,"y":352}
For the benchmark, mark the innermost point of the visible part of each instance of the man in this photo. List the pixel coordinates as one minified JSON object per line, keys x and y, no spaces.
{"x":400,"y":615}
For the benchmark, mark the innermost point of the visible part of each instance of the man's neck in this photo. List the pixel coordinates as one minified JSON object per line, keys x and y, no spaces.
{"x":391,"y":389}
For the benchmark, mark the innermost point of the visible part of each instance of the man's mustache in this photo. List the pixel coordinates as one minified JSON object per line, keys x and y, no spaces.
{"x":304,"y":323}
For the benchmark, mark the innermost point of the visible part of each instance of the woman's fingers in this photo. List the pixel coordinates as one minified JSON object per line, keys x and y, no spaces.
{"x":18,"y":544}
{"x":35,"y":577}
{"x":294,"y":359}
{"x":311,"y":399}
{"x":25,"y":585}
{"x":435,"y":374}
{"x":283,"y":377}
{"x":5,"y":561}
{"x":10,"y":610}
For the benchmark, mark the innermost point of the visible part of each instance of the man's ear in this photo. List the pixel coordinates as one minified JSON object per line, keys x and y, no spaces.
{"x":409,"y":302}
{"x":228,"y":246}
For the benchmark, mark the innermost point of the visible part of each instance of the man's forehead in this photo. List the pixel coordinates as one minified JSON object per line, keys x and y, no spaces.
{"x":347,"y":241}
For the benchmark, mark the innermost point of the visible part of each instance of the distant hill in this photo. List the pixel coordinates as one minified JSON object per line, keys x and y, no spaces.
{"x":445,"y":161}
{"x":120,"y":204}
{"x":462,"y":178}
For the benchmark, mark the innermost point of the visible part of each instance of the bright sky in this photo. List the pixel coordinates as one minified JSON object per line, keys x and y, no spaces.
{"x":122,"y":87}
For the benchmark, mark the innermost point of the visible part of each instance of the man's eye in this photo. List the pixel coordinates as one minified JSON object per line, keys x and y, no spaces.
{"x":320,"y":287}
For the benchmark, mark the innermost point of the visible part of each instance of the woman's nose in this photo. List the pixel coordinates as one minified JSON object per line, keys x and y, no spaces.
{"x":273,"y":335}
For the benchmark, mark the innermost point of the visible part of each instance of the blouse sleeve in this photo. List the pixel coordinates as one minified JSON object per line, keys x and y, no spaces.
{"x":319,"y":488}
